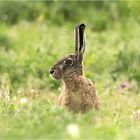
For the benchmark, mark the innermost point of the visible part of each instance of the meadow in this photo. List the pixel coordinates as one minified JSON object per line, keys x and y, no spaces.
{"x":28,"y":94}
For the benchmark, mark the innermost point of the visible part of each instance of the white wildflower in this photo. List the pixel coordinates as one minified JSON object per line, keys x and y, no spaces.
{"x":32,"y":90}
{"x":19,"y":91}
{"x":7,"y":98}
{"x":14,"y":98}
{"x":23,"y":100}
{"x":73,"y":130}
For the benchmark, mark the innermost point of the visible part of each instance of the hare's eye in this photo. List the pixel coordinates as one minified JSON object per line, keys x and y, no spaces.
{"x":68,"y":62}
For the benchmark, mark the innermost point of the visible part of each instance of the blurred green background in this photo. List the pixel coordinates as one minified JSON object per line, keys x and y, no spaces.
{"x":34,"y":35}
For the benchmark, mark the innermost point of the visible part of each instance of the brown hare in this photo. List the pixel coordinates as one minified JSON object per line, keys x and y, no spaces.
{"x":79,"y":93}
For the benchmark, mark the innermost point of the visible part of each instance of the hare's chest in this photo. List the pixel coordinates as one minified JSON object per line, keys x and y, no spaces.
{"x":71,"y":100}
{"x":76,"y":98}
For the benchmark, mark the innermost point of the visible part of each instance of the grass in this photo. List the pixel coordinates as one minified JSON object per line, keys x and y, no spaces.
{"x":28,"y":107}
{"x":40,"y":117}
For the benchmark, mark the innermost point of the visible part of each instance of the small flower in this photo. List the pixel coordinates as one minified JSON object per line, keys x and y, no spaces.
{"x":32,"y":91}
{"x":73,"y":130}
{"x":19,"y":91}
{"x":124,"y":85}
{"x":23,"y":100}
{"x":7,"y":98}
{"x":14,"y":98}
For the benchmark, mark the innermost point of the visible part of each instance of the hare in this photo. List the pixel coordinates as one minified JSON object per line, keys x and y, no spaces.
{"x":79,"y":93}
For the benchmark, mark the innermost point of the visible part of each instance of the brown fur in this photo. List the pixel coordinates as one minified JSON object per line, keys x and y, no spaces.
{"x":79,"y":93}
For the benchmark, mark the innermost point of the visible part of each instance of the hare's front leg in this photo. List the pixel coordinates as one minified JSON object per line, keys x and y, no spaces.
{"x":60,"y":98}
{"x":64,"y":101}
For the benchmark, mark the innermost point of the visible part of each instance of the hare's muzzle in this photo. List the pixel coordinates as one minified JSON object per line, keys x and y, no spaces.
{"x":55,"y":72}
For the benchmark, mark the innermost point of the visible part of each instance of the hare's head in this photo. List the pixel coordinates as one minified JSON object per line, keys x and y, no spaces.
{"x":72,"y":64}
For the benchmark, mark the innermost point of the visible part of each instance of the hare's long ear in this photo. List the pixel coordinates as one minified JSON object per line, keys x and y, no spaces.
{"x":80,"y":42}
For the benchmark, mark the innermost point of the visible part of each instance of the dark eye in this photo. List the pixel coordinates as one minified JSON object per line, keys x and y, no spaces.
{"x":68,"y":62}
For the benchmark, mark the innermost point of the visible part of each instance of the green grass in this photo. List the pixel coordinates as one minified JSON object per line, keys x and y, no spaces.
{"x":28,"y":50}
{"x":40,"y":117}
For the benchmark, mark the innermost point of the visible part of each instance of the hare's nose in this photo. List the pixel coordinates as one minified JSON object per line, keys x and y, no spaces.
{"x":51,"y":71}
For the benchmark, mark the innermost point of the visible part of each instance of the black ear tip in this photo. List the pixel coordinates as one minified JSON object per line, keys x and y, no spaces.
{"x":82,"y":25}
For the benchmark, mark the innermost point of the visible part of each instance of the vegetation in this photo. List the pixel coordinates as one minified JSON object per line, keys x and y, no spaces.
{"x":34,"y":35}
